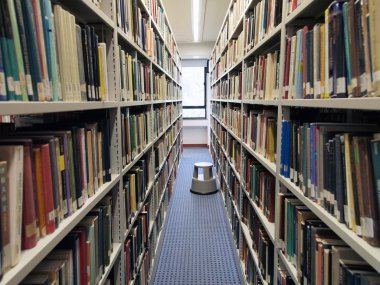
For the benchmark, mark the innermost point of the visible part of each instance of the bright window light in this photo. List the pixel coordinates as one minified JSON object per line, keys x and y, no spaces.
{"x":196,"y":20}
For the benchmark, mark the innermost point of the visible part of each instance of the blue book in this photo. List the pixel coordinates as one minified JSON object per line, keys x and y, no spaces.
{"x":51,"y":54}
{"x":31,"y":38}
{"x":9,"y":80}
{"x":299,"y":67}
{"x":347,"y":48}
{"x":3,"y":86}
{"x":24,"y":48}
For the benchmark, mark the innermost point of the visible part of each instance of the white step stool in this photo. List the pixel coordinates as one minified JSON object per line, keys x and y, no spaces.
{"x":203,"y":184}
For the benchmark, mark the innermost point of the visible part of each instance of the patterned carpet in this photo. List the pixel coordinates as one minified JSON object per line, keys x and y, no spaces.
{"x":197,"y":245}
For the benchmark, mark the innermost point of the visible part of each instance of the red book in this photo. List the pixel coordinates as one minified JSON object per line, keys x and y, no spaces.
{"x":81,"y":231}
{"x":47,"y":188}
{"x":127,"y":251}
{"x":287,"y":67}
{"x":29,"y":220}
{"x":304,"y":61}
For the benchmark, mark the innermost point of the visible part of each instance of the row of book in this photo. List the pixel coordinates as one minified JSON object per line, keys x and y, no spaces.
{"x":291,"y":5}
{"x":259,"y":132}
{"x":220,"y":90}
{"x":252,"y":277}
{"x":135,"y":24}
{"x":234,"y":153}
{"x":259,"y":22}
{"x":164,"y":115}
{"x":158,"y":14}
{"x":262,"y":246}
{"x":336,"y":58}
{"x":235,"y":50}
{"x":283,"y":277}
{"x":135,"y":186}
{"x":236,"y":11}
{"x":135,"y":83}
{"x":83,"y":255}
{"x":219,"y":111}
{"x":319,"y":256}
{"x":262,"y":77}
{"x":136,"y":132}
{"x":164,"y":145}
{"x":235,"y":86}
{"x":42,"y":183}
{"x":220,"y":67}
{"x":221,"y":43}
{"x":234,"y":120}
{"x":46,"y":56}
{"x":136,"y":246}
{"x":260,"y":186}
{"x":336,"y":165}
{"x":231,"y":213}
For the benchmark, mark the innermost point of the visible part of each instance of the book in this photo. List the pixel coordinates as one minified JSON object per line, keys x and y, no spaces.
{"x":14,"y":155}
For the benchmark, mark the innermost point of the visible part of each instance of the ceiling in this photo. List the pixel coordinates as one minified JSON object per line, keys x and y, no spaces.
{"x":212,"y":13}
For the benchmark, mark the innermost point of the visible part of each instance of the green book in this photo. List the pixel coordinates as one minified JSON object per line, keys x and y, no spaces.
{"x":18,"y":52}
{"x":10,"y":88}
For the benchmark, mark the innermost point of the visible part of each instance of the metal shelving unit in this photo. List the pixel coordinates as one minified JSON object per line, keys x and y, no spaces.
{"x":103,"y":15}
{"x":307,"y":11}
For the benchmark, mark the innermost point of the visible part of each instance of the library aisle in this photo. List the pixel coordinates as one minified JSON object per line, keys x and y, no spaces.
{"x":197,"y":245}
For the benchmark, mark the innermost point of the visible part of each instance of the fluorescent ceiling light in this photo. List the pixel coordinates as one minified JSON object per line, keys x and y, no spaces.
{"x":196,"y":56}
{"x":196,"y":20}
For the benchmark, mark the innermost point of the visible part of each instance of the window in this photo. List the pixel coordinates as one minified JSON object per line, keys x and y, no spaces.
{"x":194,"y":92}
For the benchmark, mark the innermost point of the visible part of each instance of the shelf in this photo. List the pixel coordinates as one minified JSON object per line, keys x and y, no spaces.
{"x":307,"y":9}
{"x":115,"y":253}
{"x":140,"y":260}
{"x":237,"y":29}
{"x":135,"y":215}
{"x":265,"y":41}
{"x":270,"y":166}
{"x":32,"y":257}
{"x":289,"y":267}
{"x":24,"y":108}
{"x":269,"y":227}
{"x":261,"y":102}
{"x":363,"y":103}
{"x":135,"y":103}
{"x":127,"y":40}
{"x":136,"y":158}
{"x":87,"y":12}
{"x":249,"y":241}
{"x":170,"y":149}
{"x":366,"y":251}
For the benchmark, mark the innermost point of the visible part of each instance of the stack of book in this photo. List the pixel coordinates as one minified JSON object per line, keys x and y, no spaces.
{"x":135,"y":78}
{"x":336,"y":165}
{"x":235,"y":86}
{"x":135,"y":246}
{"x":259,"y":132}
{"x":260,"y":185}
{"x":135,"y":133}
{"x":265,"y":16}
{"x":315,"y":251}
{"x":42,"y":183}
{"x":82,"y":256}
{"x":336,"y":58}
{"x":262,"y":77}
{"x":46,"y":56}
{"x":135,"y":187}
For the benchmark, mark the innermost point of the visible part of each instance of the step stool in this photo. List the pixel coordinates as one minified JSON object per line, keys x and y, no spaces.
{"x":203,"y":184}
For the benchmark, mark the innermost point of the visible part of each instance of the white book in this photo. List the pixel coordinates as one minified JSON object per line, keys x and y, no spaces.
{"x":14,"y":155}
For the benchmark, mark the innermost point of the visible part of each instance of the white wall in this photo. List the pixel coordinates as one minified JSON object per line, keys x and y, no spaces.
{"x":201,"y":50}
{"x":197,"y":131}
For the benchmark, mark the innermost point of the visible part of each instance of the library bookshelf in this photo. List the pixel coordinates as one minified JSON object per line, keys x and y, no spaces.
{"x":158,"y":104}
{"x":236,"y":53}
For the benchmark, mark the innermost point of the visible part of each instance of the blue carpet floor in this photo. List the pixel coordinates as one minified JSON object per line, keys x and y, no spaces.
{"x":197,"y":245}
